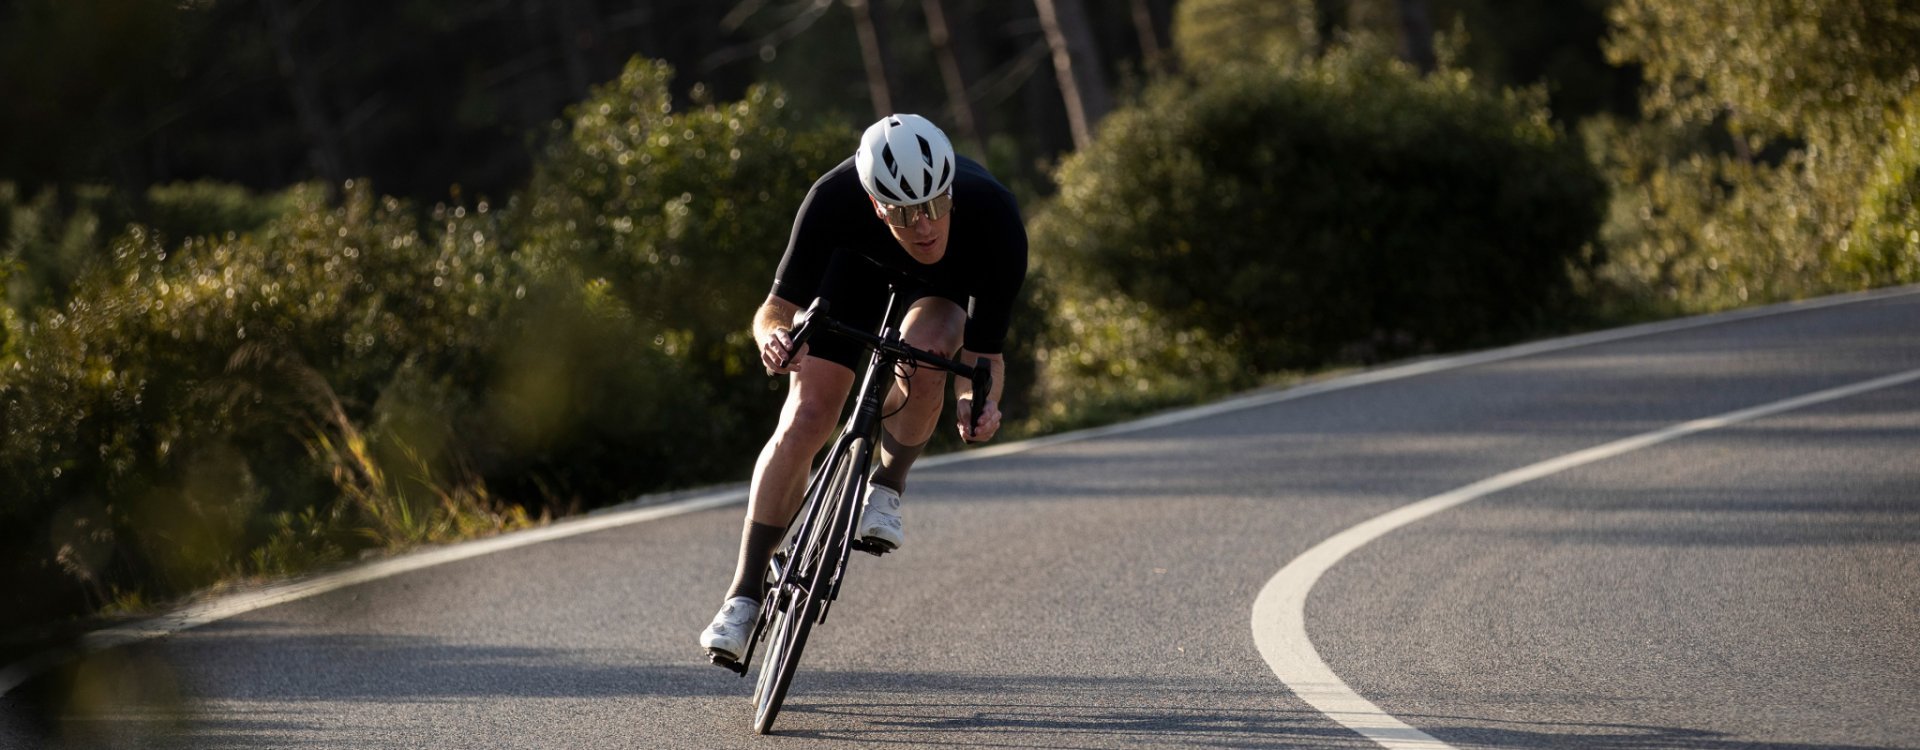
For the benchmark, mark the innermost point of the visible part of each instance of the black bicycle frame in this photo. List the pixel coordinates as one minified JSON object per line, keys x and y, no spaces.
{"x":885,"y":352}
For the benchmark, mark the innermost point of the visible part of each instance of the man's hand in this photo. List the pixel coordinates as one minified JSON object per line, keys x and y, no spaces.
{"x":774,"y":348}
{"x":989,"y":421}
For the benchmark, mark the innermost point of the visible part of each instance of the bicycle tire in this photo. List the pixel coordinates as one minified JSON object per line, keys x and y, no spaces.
{"x":797,"y":603}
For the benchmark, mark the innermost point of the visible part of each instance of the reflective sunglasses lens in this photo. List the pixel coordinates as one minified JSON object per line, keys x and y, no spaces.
{"x":939,"y":206}
{"x":905,"y":216}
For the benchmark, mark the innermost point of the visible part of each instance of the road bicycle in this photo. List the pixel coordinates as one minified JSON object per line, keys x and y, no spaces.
{"x":804,"y":577}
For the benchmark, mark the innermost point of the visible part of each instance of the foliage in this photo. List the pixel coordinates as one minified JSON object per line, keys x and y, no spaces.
{"x":1884,"y":247}
{"x":155,"y":418}
{"x":208,"y":209}
{"x":1772,"y":67}
{"x":1097,"y":357}
{"x":1769,"y":118}
{"x":682,"y":215}
{"x":1302,"y":218}
{"x":47,"y":240}
{"x":1210,"y":34}
{"x":278,"y":382}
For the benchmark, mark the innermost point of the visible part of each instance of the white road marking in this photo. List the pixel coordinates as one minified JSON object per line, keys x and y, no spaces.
{"x":1280,"y":610}
{"x":236,"y":604}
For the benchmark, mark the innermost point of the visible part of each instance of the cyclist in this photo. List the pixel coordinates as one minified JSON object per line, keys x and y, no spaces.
{"x":904,"y":202}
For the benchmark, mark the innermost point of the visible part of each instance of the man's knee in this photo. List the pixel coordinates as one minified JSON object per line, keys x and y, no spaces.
{"x":935,"y":324}
{"x":809,"y":420}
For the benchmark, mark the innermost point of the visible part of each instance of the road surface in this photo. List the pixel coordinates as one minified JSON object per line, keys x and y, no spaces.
{"x":1750,"y":586}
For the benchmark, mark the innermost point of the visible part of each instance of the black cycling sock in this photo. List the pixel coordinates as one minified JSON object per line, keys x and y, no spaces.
{"x":757,"y":543}
{"x":895,"y":459}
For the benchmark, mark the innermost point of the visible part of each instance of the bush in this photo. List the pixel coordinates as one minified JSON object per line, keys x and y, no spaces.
{"x":1097,"y":358}
{"x":1695,"y":229}
{"x":1351,"y":210}
{"x":47,"y":240}
{"x":276,"y":383}
{"x":156,"y":421}
{"x":683,"y":214}
{"x":1884,"y":246}
{"x":1771,"y":168}
{"x":193,"y":209}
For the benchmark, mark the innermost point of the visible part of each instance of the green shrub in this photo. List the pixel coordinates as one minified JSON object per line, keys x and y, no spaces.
{"x":1884,"y":246}
{"x":1693,"y":229}
{"x":1774,"y":164}
{"x":48,"y":240}
{"x":1214,"y":34}
{"x":192,"y":209}
{"x":1095,"y":358}
{"x":154,"y":420}
{"x":1350,"y":210}
{"x":281,"y":382}
{"x":683,"y":213}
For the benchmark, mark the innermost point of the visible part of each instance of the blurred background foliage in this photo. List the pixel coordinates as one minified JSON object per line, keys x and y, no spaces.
{"x":291,"y":282}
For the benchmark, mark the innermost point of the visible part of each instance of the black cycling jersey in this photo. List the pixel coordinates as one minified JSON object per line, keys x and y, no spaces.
{"x":982,"y":270}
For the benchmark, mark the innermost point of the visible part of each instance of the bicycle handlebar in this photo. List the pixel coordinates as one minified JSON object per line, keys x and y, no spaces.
{"x":815,"y":318}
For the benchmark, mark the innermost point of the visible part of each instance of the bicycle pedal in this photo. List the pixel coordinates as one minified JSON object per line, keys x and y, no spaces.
{"x":721,"y":658}
{"x":871,"y":548}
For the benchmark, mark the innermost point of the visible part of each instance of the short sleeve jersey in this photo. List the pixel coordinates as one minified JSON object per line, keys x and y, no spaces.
{"x":985,"y":262}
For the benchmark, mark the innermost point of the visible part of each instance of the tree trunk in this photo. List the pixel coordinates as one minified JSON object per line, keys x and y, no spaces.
{"x":874,"y":54}
{"x":1416,"y":34}
{"x":1149,"y":39}
{"x":1076,"y":62}
{"x":960,"y":106}
{"x":303,"y":84}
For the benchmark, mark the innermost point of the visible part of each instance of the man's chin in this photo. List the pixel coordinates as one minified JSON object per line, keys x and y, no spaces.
{"x":927,"y":256}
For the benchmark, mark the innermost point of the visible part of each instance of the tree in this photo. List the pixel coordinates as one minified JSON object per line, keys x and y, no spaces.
{"x":1773,"y":125}
{"x":1772,"y":68}
{"x":1076,"y":61}
{"x":959,"y":104}
{"x":873,"y":50}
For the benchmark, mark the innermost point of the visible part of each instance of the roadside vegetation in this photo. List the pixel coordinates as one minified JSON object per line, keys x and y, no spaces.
{"x":203,"y":384}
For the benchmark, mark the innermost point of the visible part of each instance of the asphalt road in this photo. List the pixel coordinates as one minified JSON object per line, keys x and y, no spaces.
{"x":1750,"y":587}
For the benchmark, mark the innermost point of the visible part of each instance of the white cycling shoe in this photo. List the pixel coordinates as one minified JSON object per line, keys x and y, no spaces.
{"x":730,"y":628}
{"x":880,"y":523}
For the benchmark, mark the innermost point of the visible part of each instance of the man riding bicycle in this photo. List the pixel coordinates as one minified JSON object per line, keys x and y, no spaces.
{"x":903,"y":209}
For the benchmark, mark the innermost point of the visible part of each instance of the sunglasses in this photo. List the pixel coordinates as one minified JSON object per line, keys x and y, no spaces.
{"x":905,"y":216}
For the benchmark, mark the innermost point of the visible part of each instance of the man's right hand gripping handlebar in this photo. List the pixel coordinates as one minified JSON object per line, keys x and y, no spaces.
{"x":782,"y":351}
{"x":982,"y":393}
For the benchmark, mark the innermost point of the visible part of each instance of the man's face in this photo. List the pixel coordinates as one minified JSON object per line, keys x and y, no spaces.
{"x":925,"y":240}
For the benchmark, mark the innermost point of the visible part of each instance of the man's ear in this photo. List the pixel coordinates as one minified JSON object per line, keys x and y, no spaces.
{"x":878,"y":212}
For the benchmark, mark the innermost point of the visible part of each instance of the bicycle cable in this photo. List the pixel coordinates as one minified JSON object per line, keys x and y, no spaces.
{"x":910,"y":368}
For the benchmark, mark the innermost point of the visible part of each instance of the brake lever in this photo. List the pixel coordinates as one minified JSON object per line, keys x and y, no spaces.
{"x":802,"y":329}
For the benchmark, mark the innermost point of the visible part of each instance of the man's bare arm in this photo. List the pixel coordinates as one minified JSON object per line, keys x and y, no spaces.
{"x":770,"y":326}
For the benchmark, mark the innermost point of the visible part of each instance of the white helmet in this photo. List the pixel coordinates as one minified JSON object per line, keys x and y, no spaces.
{"x":904,"y":160}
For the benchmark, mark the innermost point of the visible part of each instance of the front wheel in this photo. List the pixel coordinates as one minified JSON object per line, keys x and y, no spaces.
{"x":808,"y":580}
{"x":786,"y":638}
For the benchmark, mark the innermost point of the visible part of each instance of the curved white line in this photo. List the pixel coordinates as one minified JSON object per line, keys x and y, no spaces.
{"x":1280,"y":611}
